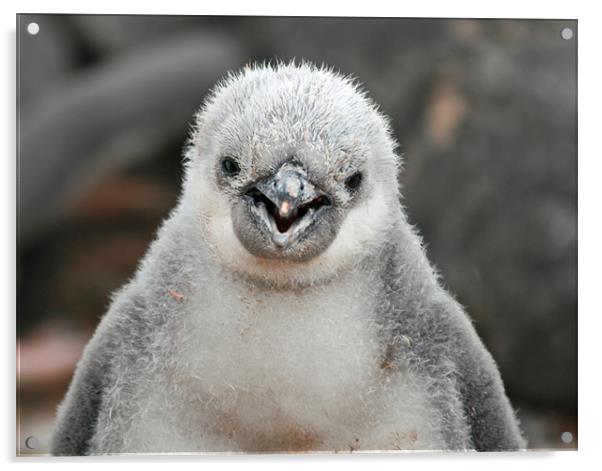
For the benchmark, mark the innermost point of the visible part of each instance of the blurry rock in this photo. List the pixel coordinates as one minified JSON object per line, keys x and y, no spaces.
{"x":96,"y":265}
{"x":46,"y":358}
{"x":96,"y":248}
{"x":548,"y":431}
{"x":110,"y":34}
{"x":122,"y":196}
{"x":497,"y":203}
{"x":44,"y":57}
{"x":110,"y":116}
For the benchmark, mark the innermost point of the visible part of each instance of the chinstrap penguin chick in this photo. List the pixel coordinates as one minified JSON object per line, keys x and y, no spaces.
{"x":286,"y":304}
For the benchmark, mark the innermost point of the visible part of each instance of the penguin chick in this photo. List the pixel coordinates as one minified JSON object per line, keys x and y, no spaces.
{"x":286,"y":304}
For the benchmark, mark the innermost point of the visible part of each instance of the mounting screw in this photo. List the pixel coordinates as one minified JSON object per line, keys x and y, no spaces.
{"x":32,"y":443}
{"x":566,"y":437}
{"x":33,"y":28}
{"x":566,"y":33}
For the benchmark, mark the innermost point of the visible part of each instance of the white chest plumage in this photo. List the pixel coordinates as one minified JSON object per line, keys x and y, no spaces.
{"x":283,"y":371}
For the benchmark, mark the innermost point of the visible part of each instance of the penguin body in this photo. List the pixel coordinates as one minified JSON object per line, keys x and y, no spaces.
{"x":286,"y":304}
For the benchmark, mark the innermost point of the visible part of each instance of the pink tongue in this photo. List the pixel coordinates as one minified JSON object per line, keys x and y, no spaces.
{"x":285,"y":209}
{"x":283,"y":224}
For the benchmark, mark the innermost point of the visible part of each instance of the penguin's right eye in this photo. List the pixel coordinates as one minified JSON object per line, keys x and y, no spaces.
{"x":230,"y":166}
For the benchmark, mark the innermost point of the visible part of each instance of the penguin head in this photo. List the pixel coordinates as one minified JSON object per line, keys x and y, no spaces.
{"x":292,"y":171}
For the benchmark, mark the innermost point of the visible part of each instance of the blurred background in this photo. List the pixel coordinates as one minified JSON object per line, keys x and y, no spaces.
{"x":485,"y":111}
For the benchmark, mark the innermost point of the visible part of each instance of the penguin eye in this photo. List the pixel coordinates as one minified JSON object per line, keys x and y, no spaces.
{"x":354,"y":181}
{"x":230,"y":166}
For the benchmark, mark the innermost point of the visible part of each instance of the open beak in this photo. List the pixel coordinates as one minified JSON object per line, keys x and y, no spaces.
{"x":287,"y":202}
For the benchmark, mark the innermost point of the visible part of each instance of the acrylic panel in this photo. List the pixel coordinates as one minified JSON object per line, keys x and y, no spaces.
{"x":309,"y":234}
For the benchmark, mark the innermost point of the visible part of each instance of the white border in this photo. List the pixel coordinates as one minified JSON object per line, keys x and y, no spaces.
{"x":441,"y":8}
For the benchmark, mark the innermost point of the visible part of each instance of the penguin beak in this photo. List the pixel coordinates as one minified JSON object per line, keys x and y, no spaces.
{"x":287,"y":203}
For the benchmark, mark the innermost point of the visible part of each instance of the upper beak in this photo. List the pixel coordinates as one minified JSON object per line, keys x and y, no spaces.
{"x":287,"y":201}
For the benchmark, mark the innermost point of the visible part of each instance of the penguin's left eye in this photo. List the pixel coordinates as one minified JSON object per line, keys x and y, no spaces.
{"x":230,"y":166}
{"x":354,"y":181}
